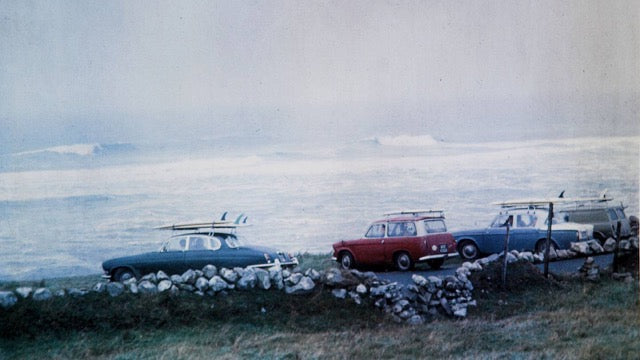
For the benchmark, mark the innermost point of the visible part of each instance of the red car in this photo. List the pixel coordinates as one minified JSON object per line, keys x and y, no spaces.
{"x":401,"y":239}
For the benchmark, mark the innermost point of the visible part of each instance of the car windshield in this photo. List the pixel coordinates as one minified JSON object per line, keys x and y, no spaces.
{"x":500,"y":220}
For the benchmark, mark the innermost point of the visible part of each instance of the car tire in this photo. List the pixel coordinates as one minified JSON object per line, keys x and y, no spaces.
{"x":435,"y":264}
{"x":346,"y":261}
{"x":541,"y":245}
{"x":123,"y":274}
{"x":468,"y":250}
{"x":403,"y":261}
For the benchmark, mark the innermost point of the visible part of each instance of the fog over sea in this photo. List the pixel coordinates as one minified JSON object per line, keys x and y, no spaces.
{"x":65,"y":209}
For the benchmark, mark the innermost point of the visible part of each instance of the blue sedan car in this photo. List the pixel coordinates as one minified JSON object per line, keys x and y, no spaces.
{"x":528,"y":233}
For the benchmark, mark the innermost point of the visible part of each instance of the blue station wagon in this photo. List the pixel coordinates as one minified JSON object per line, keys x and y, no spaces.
{"x":528,"y":233}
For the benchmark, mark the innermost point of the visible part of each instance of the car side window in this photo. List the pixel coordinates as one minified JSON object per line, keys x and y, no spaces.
{"x":214,"y":243}
{"x":177,"y":244}
{"x":404,"y":228}
{"x":526,"y":220}
{"x":612,"y":214}
{"x":435,"y":226}
{"x":198,"y":243}
{"x":499,"y":220}
{"x":620,"y":213}
{"x":375,"y":231}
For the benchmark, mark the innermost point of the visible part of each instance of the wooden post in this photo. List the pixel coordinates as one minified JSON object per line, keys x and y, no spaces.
{"x":506,"y":250}
{"x":615,"y":251}
{"x":546,"y":250}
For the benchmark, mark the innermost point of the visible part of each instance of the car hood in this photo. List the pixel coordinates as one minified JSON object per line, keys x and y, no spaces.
{"x":111,"y":263}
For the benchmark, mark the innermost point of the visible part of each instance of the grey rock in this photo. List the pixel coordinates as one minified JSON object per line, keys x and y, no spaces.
{"x":217,"y":284}
{"x":229,"y":276}
{"x":304,"y":286}
{"x":176,"y":279}
{"x":355,"y":297}
{"x":128,"y":281}
{"x":460,"y":312}
{"x":361,"y":289}
{"x":399,"y":306}
{"x":511,"y":258}
{"x":595,"y":246}
{"x":446,"y":307}
{"x":24,"y":291}
{"x":609,"y":245}
{"x":75,"y":292}
{"x":133,"y":288}
{"x":202,"y":284}
{"x":161,"y":275}
{"x":240,"y":271}
{"x":8,"y":299}
{"x":581,"y":248}
{"x":147,"y":287}
{"x":199,"y":273}
{"x":286,"y":273}
{"x":339,"y":293}
{"x":489,"y":259}
{"x":150,"y":278}
{"x":115,"y":289}
{"x":173,"y":291}
{"x":186,"y":287}
{"x":419,"y":280}
{"x":42,"y":294}
{"x":435,"y":281}
{"x":333,"y":277}
{"x":209,"y":271}
{"x":263,"y":279}
{"x":189,"y":277}
{"x":313,"y":274}
{"x":59,"y":293}
{"x":275,"y":274}
{"x":99,"y":287}
{"x":247,"y":281}
{"x":294,"y":279}
{"x":633,"y":243}
{"x":164,"y":285}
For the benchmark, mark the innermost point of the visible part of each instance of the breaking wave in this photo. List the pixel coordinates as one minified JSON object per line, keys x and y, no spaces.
{"x":404,"y":140}
{"x":80,"y":149}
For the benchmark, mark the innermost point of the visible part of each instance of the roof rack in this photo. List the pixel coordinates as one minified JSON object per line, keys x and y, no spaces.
{"x":561,"y":200}
{"x":438,"y":213}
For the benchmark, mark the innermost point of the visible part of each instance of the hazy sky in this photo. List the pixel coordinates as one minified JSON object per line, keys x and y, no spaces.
{"x":76,"y":71}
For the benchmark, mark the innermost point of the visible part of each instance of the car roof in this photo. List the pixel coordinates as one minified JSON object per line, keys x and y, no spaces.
{"x":203,"y":233}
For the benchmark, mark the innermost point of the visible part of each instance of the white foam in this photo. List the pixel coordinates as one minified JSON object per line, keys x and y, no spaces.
{"x":75,"y":149}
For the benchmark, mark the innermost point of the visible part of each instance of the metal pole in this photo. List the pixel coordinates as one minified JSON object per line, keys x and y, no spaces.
{"x":615,"y":252}
{"x":506,"y":250}
{"x":546,"y":250}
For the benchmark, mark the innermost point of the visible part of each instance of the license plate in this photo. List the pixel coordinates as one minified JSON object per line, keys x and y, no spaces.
{"x":443,"y":248}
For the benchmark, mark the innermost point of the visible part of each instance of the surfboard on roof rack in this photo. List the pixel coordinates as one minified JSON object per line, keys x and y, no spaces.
{"x":558,"y":200}
{"x":240,"y":221}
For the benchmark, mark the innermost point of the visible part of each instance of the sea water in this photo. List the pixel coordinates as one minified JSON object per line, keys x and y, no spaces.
{"x":65,"y":209}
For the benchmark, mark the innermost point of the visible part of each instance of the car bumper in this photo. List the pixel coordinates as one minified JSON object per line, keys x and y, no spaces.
{"x":292,"y":262}
{"x":438,"y":256}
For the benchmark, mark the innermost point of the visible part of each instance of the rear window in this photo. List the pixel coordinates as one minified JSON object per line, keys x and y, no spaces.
{"x":375,"y":231}
{"x":435,"y":226}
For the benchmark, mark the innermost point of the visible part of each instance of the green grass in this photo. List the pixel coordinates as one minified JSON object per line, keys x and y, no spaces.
{"x":566,"y":319}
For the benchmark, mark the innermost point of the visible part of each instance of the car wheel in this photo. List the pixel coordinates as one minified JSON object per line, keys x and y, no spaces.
{"x":542,"y":245}
{"x":403,"y":261}
{"x":468,"y":250}
{"x":346,"y":261}
{"x":435,"y":264}
{"x":123,"y":274}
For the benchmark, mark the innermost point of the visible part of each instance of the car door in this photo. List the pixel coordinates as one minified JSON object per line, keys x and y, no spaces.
{"x":370,"y":248}
{"x":493,"y":241}
{"x":524,"y":234}
{"x":171,"y":258}
{"x":401,"y":235}
{"x":202,"y":251}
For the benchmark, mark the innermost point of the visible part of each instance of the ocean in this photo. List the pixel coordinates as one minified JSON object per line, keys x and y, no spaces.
{"x":65,"y":209}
